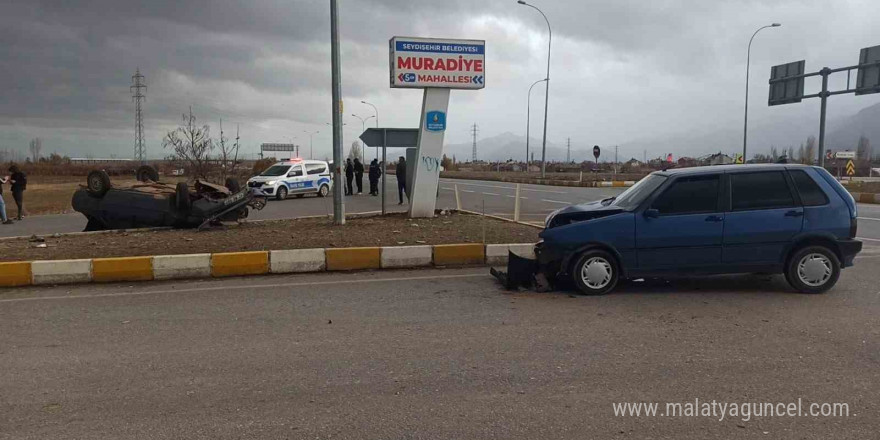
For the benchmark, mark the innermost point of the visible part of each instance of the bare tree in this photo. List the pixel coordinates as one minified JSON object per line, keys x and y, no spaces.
{"x":191,"y":145}
{"x":228,"y":156}
{"x":791,"y":154}
{"x":355,"y":152}
{"x":809,"y":151}
{"x":774,"y":154}
{"x":35,"y":147}
{"x":801,"y":154}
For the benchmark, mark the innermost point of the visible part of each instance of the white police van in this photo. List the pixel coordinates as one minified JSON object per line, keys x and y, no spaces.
{"x":293,"y":177}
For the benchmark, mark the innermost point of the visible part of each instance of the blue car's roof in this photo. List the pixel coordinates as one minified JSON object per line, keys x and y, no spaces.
{"x":725,"y":168}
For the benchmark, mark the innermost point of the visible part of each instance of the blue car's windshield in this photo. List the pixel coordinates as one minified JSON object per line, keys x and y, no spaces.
{"x":633,"y":197}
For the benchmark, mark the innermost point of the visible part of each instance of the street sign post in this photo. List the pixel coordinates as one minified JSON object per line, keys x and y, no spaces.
{"x":845,"y":155}
{"x":596,"y":152}
{"x":850,"y":168}
{"x":787,"y":85}
{"x":437,"y":66}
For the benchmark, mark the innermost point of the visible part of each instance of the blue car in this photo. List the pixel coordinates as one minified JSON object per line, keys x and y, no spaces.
{"x":776,"y":218}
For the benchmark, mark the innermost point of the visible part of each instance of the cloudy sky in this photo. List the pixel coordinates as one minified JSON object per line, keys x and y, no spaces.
{"x":621,"y":70}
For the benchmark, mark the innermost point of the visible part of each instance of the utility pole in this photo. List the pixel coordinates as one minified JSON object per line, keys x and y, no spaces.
{"x":474,"y":131}
{"x":568,"y":153}
{"x":615,"y":159}
{"x":338,"y":204}
{"x":137,"y":89}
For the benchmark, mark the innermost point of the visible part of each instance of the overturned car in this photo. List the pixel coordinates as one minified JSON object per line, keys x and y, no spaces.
{"x":152,"y":203}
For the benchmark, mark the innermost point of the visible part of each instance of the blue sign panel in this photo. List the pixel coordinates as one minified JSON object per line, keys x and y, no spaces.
{"x":435,"y":121}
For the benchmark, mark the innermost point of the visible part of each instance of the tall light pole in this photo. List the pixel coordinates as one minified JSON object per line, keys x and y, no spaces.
{"x":376,"y":111}
{"x":528,"y":120}
{"x":746,"y":117}
{"x":311,"y":133}
{"x":547,"y":91}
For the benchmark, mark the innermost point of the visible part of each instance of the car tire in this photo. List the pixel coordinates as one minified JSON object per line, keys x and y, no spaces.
{"x":182,"y":201}
{"x":595,"y":273}
{"x":146,"y":173}
{"x":812,"y":269}
{"x":232,"y":185}
{"x":98,"y":182}
{"x":281,"y":194}
{"x":323,"y":191}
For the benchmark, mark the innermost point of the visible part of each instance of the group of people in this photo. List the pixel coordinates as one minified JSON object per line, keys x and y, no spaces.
{"x":18,"y":183}
{"x":354,"y":173}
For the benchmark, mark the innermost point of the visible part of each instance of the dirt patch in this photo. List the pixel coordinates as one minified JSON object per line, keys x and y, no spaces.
{"x":390,"y":230}
{"x":863,"y":187}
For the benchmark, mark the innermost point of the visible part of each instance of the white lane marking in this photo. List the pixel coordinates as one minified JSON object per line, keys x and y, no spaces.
{"x":513,"y":197}
{"x":491,"y":194}
{"x":557,"y":201}
{"x":253,"y":287}
{"x":868,"y":239}
{"x":505,"y":187}
{"x":467,"y":191}
{"x":869,"y":218}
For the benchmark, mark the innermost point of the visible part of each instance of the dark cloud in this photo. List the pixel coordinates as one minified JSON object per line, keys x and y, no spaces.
{"x":670,"y":65}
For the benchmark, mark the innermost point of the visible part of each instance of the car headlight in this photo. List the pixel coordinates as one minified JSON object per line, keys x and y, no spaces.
{"x":271,"y":182}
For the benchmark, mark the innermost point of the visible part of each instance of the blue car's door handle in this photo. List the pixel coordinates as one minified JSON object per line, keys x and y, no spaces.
{"x":714,"y":218}
{"x":794,"y":213}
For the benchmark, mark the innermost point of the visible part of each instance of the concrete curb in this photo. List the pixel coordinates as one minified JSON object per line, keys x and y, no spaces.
{"x":870,"y":198}
{"x":169,"y":267}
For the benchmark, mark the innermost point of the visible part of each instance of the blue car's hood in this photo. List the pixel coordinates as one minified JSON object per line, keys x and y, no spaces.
{"x":580,"y":212}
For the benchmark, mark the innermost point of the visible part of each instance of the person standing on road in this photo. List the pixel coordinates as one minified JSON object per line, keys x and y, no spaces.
{"x":349,"y":175}
{"x":19,"y":184}
{"x":375,"y":173}
{"x":359,"y":175}
{"x":3,"y":219}
{"x":401,"y":179}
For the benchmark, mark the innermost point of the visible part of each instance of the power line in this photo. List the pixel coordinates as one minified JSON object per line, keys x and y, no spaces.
{"x":140,"y":149}
{"x":474,"y":131}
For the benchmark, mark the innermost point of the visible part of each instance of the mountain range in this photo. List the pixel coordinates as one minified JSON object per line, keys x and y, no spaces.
{"x":842,"y":133}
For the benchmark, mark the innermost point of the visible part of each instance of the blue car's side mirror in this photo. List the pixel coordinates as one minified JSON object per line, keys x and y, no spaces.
{"x":652,"y":213}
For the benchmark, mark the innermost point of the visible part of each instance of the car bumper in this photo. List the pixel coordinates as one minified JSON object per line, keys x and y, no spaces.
{"x":848,"y":250}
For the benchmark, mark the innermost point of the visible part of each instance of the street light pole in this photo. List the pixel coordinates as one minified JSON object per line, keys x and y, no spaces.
{"x":746,"y":116}
{"x":528,"y":120}
{"x":363,"y":129}
{"x":547,"y":90}
{"x":376,"y":110}
{"x":311,"y":155}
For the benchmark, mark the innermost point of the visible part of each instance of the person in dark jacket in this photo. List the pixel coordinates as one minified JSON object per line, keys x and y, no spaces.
{"x":3,"y":219}
{"x":349,"y":175}
{"x":401,"y":179}
{"x":375,"y":173}
{"x":359,"y":175}
{"x":19,"y":184}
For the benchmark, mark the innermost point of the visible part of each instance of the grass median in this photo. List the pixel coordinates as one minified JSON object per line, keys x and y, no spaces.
{"x":306,"y":233}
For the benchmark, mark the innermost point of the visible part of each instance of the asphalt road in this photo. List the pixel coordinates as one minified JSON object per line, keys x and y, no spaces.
{"x":496,"y":198}
{"x":537,"y":202}
{"x":434,"y":354}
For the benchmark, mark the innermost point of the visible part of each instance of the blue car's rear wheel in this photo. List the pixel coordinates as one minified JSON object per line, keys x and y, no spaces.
{"x":595,"y":272}
{"x":813,"y":269}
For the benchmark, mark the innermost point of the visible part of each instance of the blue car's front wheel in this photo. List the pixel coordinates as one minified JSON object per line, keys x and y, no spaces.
{"x":595,"y":272}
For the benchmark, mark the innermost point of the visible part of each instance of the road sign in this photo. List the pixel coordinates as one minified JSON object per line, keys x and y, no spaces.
{"x":429,"y":62}
{"x":278,"y":147}
{"x":845,"y":155}
{"x":786,"y":85}
{"x":738,"y":159}
{"x":868,"y":78}
{"x":596,"y":151}
{"x":829,"y":155}
{"x":850,"y":168}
